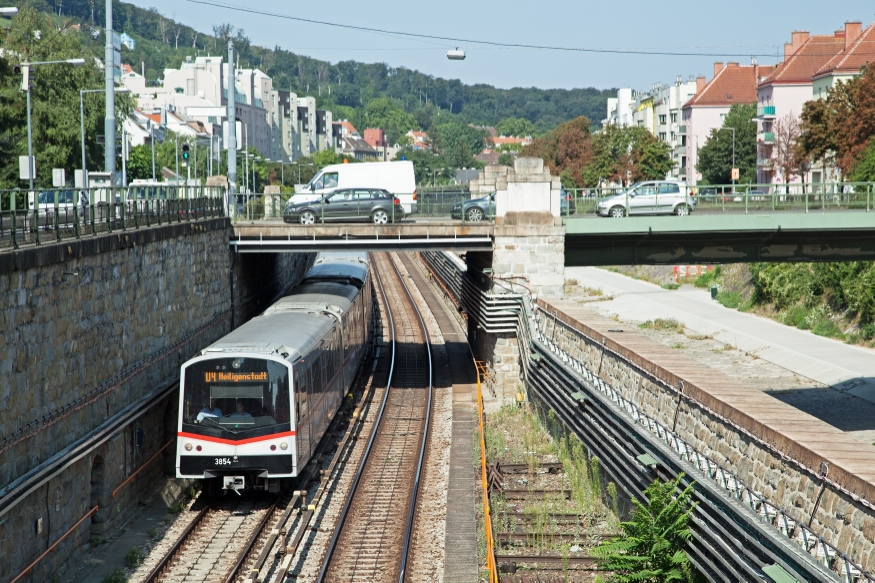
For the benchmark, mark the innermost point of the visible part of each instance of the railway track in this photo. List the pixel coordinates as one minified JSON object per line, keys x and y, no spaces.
{"x":371,"y":541}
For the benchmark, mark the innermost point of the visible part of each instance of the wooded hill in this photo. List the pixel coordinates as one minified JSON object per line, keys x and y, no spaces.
{"x":164,"y":43}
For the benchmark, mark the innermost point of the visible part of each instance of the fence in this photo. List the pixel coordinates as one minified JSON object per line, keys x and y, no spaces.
{"x":746,"y":198}
{"x":34,"y":218}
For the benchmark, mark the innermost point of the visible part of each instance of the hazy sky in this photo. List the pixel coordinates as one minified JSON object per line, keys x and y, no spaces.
{"x":723,"y":31}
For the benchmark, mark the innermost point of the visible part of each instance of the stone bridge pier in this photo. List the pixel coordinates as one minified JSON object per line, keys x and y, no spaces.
{"x":528,"y":256}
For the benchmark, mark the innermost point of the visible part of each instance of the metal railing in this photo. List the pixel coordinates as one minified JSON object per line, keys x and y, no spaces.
{"x":53,"y":215}
{"x":743,"y":198}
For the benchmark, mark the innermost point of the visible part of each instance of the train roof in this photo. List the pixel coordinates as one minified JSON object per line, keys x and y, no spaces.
{"x":351,"y":268}
{"x":293,"y":325}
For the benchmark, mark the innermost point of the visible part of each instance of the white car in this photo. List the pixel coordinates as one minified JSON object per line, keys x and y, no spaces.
{"x":656,"y":197}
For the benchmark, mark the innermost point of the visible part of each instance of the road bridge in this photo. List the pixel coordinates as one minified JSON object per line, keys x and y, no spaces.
{"x":700,"y":238}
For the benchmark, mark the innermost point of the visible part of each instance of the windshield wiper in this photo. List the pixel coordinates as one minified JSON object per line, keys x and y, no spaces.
{"x":219,"y":425}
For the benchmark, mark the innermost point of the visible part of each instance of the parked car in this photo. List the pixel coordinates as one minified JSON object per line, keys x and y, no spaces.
{"x":475,"y":209}
{"x":657,"y":197}
{"x":51,"y":201}
{"x":395,"y":177}
{"x":346,"y":205}
{"x":478,"y":209}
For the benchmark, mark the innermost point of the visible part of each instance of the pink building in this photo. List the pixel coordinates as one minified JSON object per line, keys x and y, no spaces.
{"x":375,"y":137}
{"x":784,"y":92}
{"x":732,"y":83}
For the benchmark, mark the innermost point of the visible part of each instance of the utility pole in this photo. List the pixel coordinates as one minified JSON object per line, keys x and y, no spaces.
{"x":109,"y":120}
{"x":232,"y":123}
{"x":152,"y":141}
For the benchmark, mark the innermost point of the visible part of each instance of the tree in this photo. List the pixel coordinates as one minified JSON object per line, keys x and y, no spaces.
{"x":566,"y":150}
{"x":784,"y":151}
{"x":387,"y":114}
{"x":515,"y":126}
{"x":651,"y":548}
{"x":447,"y":136}
{"x":853,"y":117}
{"x":715,"y":156}
{"x":505,"y":159}
{"x":816,"y":140}
{"x":54,"y":100}
{"x":864,"y":171}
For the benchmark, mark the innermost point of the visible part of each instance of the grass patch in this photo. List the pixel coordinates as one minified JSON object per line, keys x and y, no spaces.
{"x":708,"y":278}
{"x":671,"y":285}
{"x":133,"y":558}
{"x":176,"y":508}
{"x":115,"y":576}
{"x":828,"y":328}
{"x":678,"y":345}
{"x":663,"y":324}
{"x":153,"y":533}
{"x":733,"y":300}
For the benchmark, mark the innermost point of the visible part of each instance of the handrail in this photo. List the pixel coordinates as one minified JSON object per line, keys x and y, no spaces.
{"x":487,"y":519}
{"x":141,"y":468}
{"x":56,"y":543}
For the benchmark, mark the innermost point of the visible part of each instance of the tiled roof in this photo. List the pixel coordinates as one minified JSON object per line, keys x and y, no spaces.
{"x":811,"y":56}
{"x":860,"y":52}
{"x":733,"y":84}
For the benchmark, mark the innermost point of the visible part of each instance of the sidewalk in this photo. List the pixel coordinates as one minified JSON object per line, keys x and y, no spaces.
{"x":847,"y":368}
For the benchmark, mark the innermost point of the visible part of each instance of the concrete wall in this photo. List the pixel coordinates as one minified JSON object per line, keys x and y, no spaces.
{"x":839,"y":519}
{"x":87,"y":328}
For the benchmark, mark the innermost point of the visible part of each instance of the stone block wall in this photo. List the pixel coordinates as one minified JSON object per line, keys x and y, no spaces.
{"x":86,"y":328}
{"x":841,"y":520}
{"x":531,"y":254}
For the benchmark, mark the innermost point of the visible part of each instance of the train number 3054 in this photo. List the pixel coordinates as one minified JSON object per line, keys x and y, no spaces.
{"x":223,"y":461}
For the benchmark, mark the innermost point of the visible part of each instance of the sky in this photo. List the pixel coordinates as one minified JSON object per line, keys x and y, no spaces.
{"x":710,"y":30}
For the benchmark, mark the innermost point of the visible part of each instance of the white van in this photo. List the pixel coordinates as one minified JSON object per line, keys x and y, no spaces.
{"x":396,"y":177}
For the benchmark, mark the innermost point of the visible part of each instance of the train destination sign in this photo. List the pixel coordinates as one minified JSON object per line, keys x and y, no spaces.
{"x":234,"y":377}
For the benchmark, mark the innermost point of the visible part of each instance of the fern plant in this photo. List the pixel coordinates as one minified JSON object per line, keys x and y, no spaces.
{"x":651,"y":547}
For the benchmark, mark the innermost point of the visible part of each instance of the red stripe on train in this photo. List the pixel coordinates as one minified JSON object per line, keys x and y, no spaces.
{"x":233,"y":441}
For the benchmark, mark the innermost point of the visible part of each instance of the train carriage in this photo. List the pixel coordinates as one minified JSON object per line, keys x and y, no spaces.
{"x":254,"y":404}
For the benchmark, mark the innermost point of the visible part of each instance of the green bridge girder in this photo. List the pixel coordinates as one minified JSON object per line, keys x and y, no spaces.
{"x":709,"y":238}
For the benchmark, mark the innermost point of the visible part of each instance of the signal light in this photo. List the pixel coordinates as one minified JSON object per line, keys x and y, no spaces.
{"x":185,"y":153}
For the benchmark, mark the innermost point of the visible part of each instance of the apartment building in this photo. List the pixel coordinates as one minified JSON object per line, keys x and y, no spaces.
{"x":732,"y":83}
{"x":858,"y":51}
{"x":659,"y":111}
{"x":782,"y":94}
{"x":300,"y":130}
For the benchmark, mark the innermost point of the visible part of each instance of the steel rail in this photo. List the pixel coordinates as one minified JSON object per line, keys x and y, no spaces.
{"x":425,"y":431}
{"x":366,"y":455}
{"x":153,"y":576}
{"x":244,"y":554}
{"x":358,"y":474}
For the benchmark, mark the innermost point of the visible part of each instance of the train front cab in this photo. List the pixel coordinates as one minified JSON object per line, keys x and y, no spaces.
{"x":235,"y":427}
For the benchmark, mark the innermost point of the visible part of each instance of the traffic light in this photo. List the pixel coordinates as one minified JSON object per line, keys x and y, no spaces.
{"x":24,"y":71}
{"x":185,"y":154}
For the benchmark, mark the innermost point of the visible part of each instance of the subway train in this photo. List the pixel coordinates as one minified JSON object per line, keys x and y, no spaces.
{"x":254,"y":404}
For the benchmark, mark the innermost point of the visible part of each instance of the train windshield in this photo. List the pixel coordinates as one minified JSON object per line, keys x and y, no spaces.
{"x":236,"y":398}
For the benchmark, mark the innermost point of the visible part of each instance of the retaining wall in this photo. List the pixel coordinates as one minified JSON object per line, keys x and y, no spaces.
{"x":773,"y":447}
{"x":86,"y":328}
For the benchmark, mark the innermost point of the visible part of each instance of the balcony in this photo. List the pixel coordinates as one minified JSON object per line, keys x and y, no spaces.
{"x":681,"y":151}
{"x":765,"y":163}
{"x":682,"y":130}
{"x":682,"y":172}
{"x":766,"y":137}
{"x":766,"y":112}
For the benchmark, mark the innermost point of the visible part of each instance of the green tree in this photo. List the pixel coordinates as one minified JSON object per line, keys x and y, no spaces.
{"x":54,"y":99}
{"x":428,"y":166}
{"x":651,"y":548}
{"x":326,"y":157}
{"x":387,"y":114}
{"x":454,"y":138}
{"x":715,"y":156}
{"x":864,"y":171}
{"x":505,"y":159}
{"x":515,"y":126}
{"x":816,"y":136}
{"x":853,"y":122}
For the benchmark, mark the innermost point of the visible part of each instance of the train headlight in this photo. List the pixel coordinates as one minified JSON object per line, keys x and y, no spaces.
{"x":284,"y":446}
{"x":187,"y":447}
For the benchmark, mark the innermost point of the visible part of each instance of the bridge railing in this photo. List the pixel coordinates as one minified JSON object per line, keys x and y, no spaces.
{"x":51,"y":215}
{"x":747,"y":198}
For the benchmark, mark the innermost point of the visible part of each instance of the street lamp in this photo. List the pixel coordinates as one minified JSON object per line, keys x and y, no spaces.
{"x":82,"y":93}
{"x":26,"y":85}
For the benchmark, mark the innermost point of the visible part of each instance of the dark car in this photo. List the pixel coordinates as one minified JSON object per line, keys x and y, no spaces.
{"x":478,"y":209}
{"x":346,"y":205}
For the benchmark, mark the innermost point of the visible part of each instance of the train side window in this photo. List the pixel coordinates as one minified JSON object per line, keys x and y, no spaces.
{"x":301,"y":396}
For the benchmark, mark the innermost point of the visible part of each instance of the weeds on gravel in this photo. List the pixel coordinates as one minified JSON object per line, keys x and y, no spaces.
{"x":663,"y":324}
{"x":176,"y":508}
{"x":115,"y":576}
{"x":671,"y":286}
{"x":133,"y":558}
{"x":153,"y":533}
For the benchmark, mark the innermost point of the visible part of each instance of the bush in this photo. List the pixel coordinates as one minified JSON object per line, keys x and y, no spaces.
{"x":708,"y":278}
{"x":732,"y":300}
{"x":115,"y":576}
{"x":664,"y":324}
{"x":828,"y":328}
{"x":132,"y":558}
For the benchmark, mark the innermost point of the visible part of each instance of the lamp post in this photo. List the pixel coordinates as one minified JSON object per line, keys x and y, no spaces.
{"x":733,"y":154}
{"x":82,"y":93}
{"x":26,"y":86}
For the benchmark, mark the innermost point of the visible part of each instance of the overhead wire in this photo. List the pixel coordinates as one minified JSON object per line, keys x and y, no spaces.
{"x":487,"y":43}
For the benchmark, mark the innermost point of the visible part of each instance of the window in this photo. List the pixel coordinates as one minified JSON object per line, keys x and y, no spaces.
{"x":662,"y":119}
{"x":674,"y":118}
{"x":363,"y":195}
{"x":662,"y":136}
{"x":673,"y":136}
{"x":722,"y":118}
{"x":669,"y":188}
